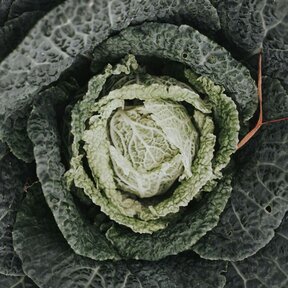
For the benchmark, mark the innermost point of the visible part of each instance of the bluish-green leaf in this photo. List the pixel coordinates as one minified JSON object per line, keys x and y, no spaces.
{"x":12,"y":178}
{"x":267,"y":268}
{"x":43,"y":131}
{"x":74,"y":28}
{"x":56,"y":265}
{"x":258,"y":201}
{"x":16,"y":282}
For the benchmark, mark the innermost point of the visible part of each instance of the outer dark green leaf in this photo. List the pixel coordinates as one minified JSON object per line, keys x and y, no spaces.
{"x":11,"y":193}
{"x":17,"y":17}
{"x":252,"y":25}
{"x":276,"y":63}
{"x":3,"y":149}
{"x":258,"y":201}
{"x":275,"y":99}
{"x":265,"y":23}
{"x":56,"y":265}
{"x":186,"y":45}
{"x":16,"y":282}
{"x":18,"y":141}
{"x":43,"y":131}
{"x":73,"y":28}
{"x":267,"y":268}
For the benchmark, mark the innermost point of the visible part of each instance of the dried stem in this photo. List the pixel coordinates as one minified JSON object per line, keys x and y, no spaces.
{"x":259,"y":123}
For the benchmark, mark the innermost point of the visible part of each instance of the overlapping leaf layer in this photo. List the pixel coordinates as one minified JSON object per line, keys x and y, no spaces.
{"x":129,"y":114}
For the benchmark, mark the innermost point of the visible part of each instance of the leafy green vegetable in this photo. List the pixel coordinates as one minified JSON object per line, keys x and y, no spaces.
{"x":258,"y":201}
{"x":273,"y":260}
{"x":62,"y":267}
{"x":120,"y":124}
{"x":177,"y":237}
{"x":12,"y":177}
{"x":16,"y":282}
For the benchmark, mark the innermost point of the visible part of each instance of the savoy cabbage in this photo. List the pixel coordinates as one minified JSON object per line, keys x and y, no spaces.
{"x":121,"y":160}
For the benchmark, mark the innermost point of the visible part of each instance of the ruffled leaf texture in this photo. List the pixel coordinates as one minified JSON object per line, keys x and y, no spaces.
{"x":267,"y":268}
{"x":65,"y":33}
{"x":255,"y":25}
{"x":83,"y":237}
{"x":258,"y":200}
{"x":17,"y":17}
{"x":12,"y":179}
{"x":63,"y":268}
{"x":123,"y":209}
{"x":43,"y":131}
{"x":185,"y":45}
{"x":246,"y":230}
{"x":16,"y":282}
{"x":90,"y":241}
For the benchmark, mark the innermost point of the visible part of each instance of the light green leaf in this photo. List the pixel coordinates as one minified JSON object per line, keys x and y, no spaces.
{"x":225,"y":117}
{"x":185,"y":45}
{"x":119,"y":206}
{"x":179,"y":130}
{"x":194,"y":223}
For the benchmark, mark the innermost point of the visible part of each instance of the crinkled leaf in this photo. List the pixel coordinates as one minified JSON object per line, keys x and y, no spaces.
{"x":63,"y":268}
{"x":177,"y":237}
{"x":3,"y":149}
{"x":258,"y":201}
{"x":16,"y":282}
{"x":80,"y":114}
{"x":17,"y":18}
{"x":252,"y":25}
{"x":98,"y":153}
{"x":266,"y":22}
{"x":275,"y":99}
{"x":12,"y":178}
{"x":18,"y":141}
{"x":188,"y":46}
{"x":105,"y":194}
{"x":225,"y":119}
{"x":43,"y":131}
{"x":267,"y":268}
{"x":72,"y":28}
{"x":179,"y":130}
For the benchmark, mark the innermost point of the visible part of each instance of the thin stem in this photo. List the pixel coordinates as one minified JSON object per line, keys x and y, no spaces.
{"x":259,"y":123}
{"x":275,"y":120}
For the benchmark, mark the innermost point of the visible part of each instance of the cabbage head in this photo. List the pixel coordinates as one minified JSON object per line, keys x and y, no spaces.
{"x":120,"y":163}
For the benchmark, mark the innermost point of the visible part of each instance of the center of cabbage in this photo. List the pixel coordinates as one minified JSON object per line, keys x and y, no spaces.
{"x":152,"y":145}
